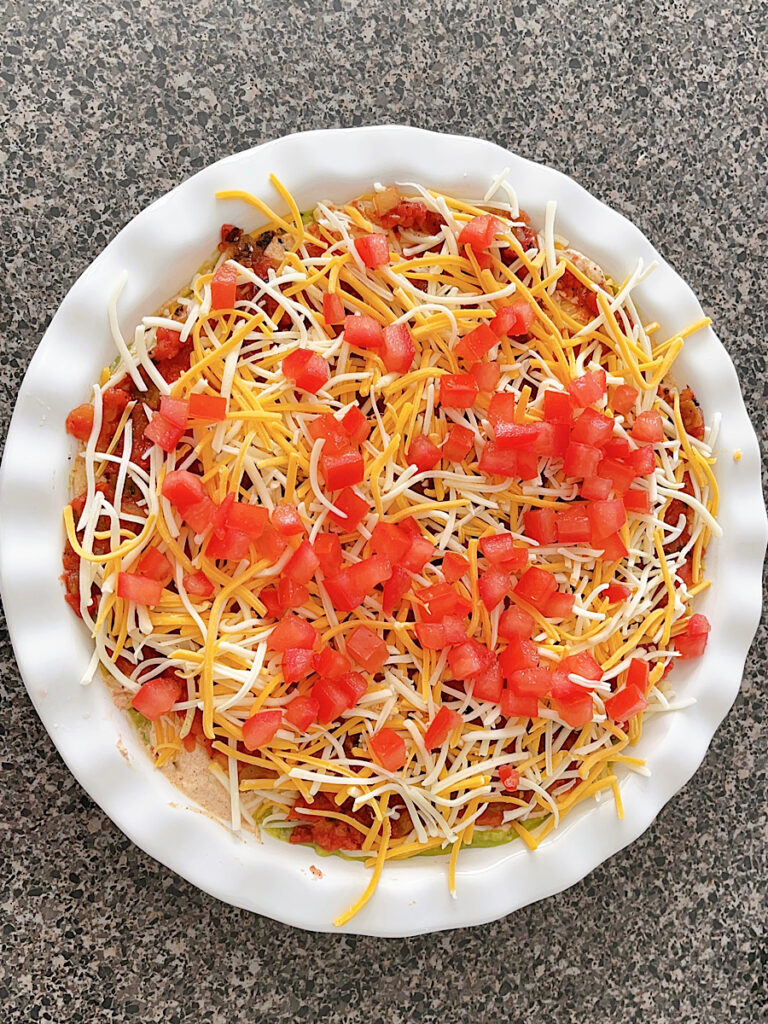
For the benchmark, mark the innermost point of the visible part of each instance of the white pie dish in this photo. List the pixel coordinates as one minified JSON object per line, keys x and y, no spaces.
{"x":161,"y":248}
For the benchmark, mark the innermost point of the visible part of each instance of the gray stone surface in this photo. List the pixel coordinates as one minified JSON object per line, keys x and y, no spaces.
{"x":658,"y":108}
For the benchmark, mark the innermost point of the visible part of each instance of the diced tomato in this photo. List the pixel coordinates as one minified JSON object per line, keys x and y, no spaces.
{"x":197,"y":583}
{"x":624,"y":398}
{"x":441,"y":726}
{"x":560,"y":440}
{"x":155,"y":566}
{"x":423,"y":454}
{"x":397,"y":348}
{"x":390,"y":540}
{"x":249,"y":519}
{"x":593,"y":428}
{"x":139,"y":589}
{"x":431,"y":635}
{"x":331,"y":663}
{"x":167,"y":343}
{"x":581,"y":664}
{"x":513,"y":319}
{"x":349,"y":587}
{"x":260,"y":728}
{"x":292,"y":631}
{"x":468,"y":659}
{"x":308,"y":370}
{"x":595,"y":488}
{"x":454,"y":630}
{"x":519,"y":654}
{"x":605,"y":518}
{"x":498,"y":463}
{"x":502,"y":408}
{"x":557,"y":407}
{"x":79,"y":422}
{"x":621,"y":476}
{"x":493,"y":585}
{"x":626,"y":703}
{"x":572,"y":525}
{"x":613,"y":548}
{"x":638,"y":674}
{"x":373,"y":250}
{"x":352,"y":506}
{"x":156,"y":697}
{"x":182,"y":488}
{"x":616,"y":592}
{"x":163,"y":433}
{"x":581,"y":460}
{"x":328,"y":427}
{"x":291,"y":594}
{"x":421,"y":552}
{"x":303,"y":564}
{"x":573,"y":702}
{"x":333,"y":308}
{"x":356,"y":425}
{"x":516,"y":624}
{"x":327,"y":548}
{"x":648,"y":427}
{"x":642,"y":461}
{"x":476,"y":344}
{"x":517,"y":705}
{"x":588,"y":389}
{"x":174,"y":410}
{"x":509,"y":777}
{"x":693,"y":642}
{"x":223,"y":287}
{"x":269,"y":598}
{"x":297,"y":663}
{"x":302,"y":711}
{"x":617,"y":448}
{"x":388,"y":749}
{"x":559,"y":606}
{"x":228,"y":543}
{"x":362,"y":331}
{"x":395,"y":589}
{"x":536,"y":586}
{"x":500,"y":549}
{"x":509,"y":435}
{"x":487,"y":376}
{"x":541,"y":525}
{"x":478,"y":233}
{"x":458,"y":390}
{"x":200,"y":515}
{"x":270,"y":545}
{"x":367,"y":649}
{"x":207,"y":407}
{"x":286,"y":520}
{"x":458,"y":443}
{"x":488,"y":685}
{"x":531,"y":682}
{"x":454,"y":566}
{"x":439,"y":600}
{"x":333,"y":697}
{"x":356,"y":684}
{"x":341,"y":469}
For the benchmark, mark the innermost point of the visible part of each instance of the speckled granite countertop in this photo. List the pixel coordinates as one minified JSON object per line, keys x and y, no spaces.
{"x":659,"y":109}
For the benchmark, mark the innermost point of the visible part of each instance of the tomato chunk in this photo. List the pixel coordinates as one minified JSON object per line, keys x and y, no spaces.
{"x":355,"y":425}
{"x":648,"y":427}
{"x":327,"y":548}
{"x":454,"y":566}
{"x":476,"y":344}
{"x":489,"y":684}
{"x":260,"y":728}
{"x":468,"y":659}
{"x":624,"y":398}
{"x":626,"y":703}
{"x":493,"y":585}
{"x":516,"y":624}
{"x":331,"y":663}
{"x":395,"y":589}
{"x":423,"y":454}
{"x":286,"y":520}
{"x":333,"y":308}
{"x":517,"y":705}
{"x":509,"y":777}
{"x":536,"y":586}
{"x":373,"y":250}
{"x":390,"y":540}
{"x":362,"y":331}
{"x":541,"y":525}
{"x":588,"y":389}
{"x":487,"y":376}
{"x":595,"y":488}
{"x":513,"y":319}
{"x":573,"y":702}
{"x":341,"y":469}
{"x":297,"y":663}
{"x":197,"y":583}
{"x":606,"y":517}
{"x":303,"y":564}
{"x":207,"y":407}
{"x":223,"y":287}
{"x":693,"y":642}
{"x":155,"y":566}
{"x":156,"y":697}
{"x":79,"y":422}
{"x":637,"y":501}
{"x":593,"y":428}
{"x":139,"y":589}
{"x":616,"y":592}
{"x":441,"y":726}
{"x":478,"y":233}
{"x":581,"y":460}
{"x":388,"y":749}
{"x":292,"y":631}
{"x":163,"y":433}
{"x":458,"y":390}
{"x":397,"y":348}
{"x":559,"y":606}
{"x":308,"y":370}
{"x":351,"y":506}
{"x":302,"y":711}
{"x":557,"y":407}
{"x":333,"y":698}
{"x":167,"y":343}
{"x":458,"y":443}
{"x":367,"y":649}
{"x":431,"y":635}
